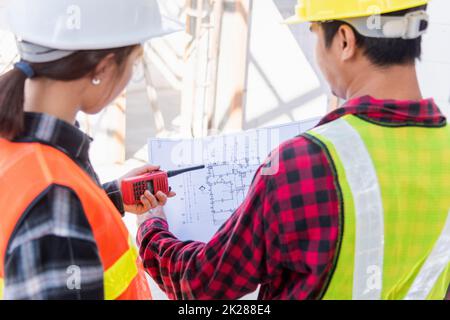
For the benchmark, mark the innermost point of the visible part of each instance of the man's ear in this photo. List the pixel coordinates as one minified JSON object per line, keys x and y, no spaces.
{"x":347,"y":42}
{"x":106,"y":66}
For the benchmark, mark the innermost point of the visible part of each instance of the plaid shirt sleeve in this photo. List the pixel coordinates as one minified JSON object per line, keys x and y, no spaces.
{"x":53,"y":254}
{"x":112,"y":189}
{"x":283,"y":237}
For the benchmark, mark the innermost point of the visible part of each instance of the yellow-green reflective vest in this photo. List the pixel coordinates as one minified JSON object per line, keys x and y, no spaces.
{"x":394,"y":184}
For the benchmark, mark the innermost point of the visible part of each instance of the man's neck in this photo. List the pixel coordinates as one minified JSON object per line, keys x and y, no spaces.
{"x":397,"y":82}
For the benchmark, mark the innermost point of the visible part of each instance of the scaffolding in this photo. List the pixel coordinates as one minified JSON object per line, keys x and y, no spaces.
{"x":210,"y":24}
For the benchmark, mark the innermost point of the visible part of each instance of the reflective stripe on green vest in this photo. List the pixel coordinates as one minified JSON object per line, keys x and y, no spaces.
{"x":395,"y":231}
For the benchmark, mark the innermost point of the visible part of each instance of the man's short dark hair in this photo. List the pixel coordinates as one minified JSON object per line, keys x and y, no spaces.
{"x":381,"y":52}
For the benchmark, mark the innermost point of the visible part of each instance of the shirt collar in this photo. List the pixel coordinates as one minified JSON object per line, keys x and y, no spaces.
{"x":58,"y":133}
{"x":392,"y":112}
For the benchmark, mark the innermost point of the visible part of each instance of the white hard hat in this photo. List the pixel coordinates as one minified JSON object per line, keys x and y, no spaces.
{"x":74,"y":25}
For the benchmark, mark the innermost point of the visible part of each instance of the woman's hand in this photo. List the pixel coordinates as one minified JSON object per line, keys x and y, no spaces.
{"x":148,"y":201}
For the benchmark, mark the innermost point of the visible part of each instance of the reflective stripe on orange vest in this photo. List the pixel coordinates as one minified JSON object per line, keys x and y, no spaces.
{"x":32,"y":168}
{"x":117,"y":278}
{"x":1,"y":288}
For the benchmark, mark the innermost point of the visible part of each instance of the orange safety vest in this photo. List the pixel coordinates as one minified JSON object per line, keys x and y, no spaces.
{"x":26,"y":171}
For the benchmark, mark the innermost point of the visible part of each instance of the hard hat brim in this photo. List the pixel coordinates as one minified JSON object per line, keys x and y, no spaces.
{"x":50,"y":23}
{"x":347,"y":13}
{"x":168,"y":26}
{"x":294,"y":20}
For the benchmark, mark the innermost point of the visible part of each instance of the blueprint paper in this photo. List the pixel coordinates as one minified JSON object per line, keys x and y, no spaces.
{"x":207,"y":198}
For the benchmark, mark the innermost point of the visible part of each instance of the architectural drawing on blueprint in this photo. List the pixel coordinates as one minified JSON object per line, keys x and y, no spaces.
{"x":207,"y":198}
{"x":227,"y":185}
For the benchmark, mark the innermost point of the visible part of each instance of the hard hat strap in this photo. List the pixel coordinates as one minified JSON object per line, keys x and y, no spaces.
{"x":410,"y":26}
{"x":38,"y":54}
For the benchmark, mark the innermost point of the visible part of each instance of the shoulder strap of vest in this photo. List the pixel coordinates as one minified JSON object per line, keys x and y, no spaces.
{"x":347,"y":147}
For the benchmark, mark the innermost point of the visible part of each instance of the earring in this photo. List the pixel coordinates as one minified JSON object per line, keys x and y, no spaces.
{"x":96,"y":81}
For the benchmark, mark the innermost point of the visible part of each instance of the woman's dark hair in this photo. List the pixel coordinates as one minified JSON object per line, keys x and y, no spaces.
{"x":73,"y":67}
{"x":381,"y":52}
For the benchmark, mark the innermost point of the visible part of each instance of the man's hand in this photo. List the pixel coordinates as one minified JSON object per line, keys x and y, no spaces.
{"x":148,"y":201}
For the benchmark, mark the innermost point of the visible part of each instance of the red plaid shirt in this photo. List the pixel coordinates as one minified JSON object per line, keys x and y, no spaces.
{"x":284,"y":235}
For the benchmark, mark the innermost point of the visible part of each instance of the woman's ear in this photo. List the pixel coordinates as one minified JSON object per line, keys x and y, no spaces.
{"x":347,"y":42}
{"x":106,"y":67}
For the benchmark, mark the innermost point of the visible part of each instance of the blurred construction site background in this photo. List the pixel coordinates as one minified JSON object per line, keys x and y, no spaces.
{"x":235,"y":67}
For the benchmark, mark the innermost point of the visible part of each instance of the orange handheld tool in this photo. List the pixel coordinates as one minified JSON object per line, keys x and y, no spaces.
{"x":133,"y":188}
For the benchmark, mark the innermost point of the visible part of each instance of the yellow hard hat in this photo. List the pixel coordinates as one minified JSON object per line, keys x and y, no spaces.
{"x":323,"y":10}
